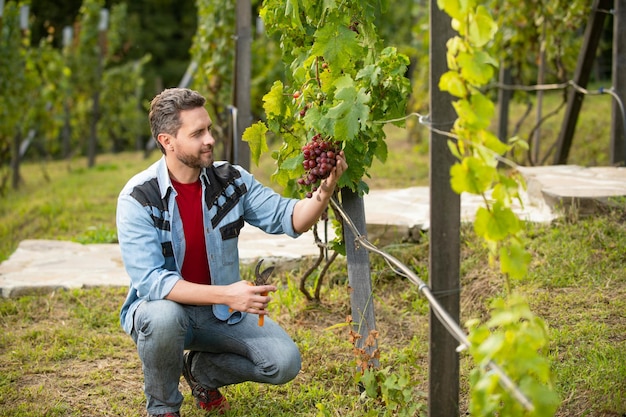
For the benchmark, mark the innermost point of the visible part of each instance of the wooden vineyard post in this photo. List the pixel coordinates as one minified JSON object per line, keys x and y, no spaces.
{"x":359,"y":278}
{"x":593,"y":33}
{"x":618,"y":137}
{"x":504,"y":101}
{"x":242,"y":81}
{"x":445,"y":219}
{"x":92,"y":142}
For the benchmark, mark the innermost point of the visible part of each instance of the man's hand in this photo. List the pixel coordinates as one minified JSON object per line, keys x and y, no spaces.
{"x":246,"y":297}
{"x":328,"y":185}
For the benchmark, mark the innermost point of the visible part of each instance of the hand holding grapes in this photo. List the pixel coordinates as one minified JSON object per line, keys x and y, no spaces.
{"x":320,"y":182}
{"x":323,"y":163}
{"x":336,"y":172}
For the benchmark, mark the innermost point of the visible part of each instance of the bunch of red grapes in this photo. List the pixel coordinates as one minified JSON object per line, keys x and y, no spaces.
{"x":319,"y":159}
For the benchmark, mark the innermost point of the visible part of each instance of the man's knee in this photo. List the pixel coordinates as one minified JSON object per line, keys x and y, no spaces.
{"x":161,"y":318}
{"x":289,"y":364}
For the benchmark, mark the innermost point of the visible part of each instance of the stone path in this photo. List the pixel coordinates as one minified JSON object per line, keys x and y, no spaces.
{"x":39,"y":266}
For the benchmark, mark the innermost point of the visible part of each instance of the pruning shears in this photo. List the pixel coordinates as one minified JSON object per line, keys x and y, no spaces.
{"x":261,"y":279}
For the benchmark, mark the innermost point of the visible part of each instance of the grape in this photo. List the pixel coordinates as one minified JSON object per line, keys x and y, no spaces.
{"x":319,"y":159}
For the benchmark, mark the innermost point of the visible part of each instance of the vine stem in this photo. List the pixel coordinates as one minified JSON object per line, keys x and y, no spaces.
{"x":443,"y":316}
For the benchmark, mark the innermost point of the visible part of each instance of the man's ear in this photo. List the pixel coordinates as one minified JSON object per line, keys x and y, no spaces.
{"x":166,"y":141}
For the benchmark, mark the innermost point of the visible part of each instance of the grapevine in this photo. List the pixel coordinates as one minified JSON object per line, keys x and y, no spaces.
{"x":514,"y":337}
{"x":341,"y":86}
{"x":340,"y":83}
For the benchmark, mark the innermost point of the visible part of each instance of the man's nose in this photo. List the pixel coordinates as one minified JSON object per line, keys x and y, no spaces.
{"x":209,"y":139}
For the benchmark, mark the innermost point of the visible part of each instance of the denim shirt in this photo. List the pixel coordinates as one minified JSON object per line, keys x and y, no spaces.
{"x":151,"y":238}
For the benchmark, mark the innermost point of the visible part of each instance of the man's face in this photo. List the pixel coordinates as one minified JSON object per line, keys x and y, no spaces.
{"x":193,"y":145}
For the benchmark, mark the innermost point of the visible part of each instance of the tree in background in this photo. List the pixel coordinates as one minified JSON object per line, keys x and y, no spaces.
{"x":48,"y":93}
{"x":213,"y":49}
{"x":11,"y":98}
{"x":162,"y":29}
{"x":530,"y":26}
{"x":27,"y":98}
{"x":123,"y":123}
{"x":538,"y":43}
{"x":87,"y":67}
{"x":150,"y":43}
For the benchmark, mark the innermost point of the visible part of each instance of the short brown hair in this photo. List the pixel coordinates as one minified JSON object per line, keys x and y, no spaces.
{"x":165,"y":110}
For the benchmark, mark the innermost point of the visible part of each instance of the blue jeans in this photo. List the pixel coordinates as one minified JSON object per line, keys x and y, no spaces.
{"x":227,"y":353}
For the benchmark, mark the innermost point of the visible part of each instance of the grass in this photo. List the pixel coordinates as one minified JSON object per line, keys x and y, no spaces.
{"x":64,"y":353}
{"x":66,"y":201}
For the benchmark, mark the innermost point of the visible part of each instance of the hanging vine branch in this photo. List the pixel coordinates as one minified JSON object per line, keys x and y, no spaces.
{"x":513,"y":336}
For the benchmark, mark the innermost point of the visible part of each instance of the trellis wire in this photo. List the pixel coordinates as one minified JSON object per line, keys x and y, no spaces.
{"x":545,"y":87}
{"x":425,"y":119}
{"x":443,"y":316}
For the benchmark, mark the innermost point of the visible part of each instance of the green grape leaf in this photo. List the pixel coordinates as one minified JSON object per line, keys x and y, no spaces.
{"x":381,"y":150}
{"x":344,"y":82}
{"x":471,"y":175}
{"x":514,"y":260}
{"x":453,"y":83}
{"x":497,"y":223}
{"x":507,"y":189}
{"x":476,"y":67}
{"x":368,"y":379}
{"x":292,"y":10}
{"x":294,"y":163}
{"x":315,"y":121}
{"x":337,"y":44}
{"x":455,"y":45}
{"x":492,"y":142}
{"x":465,"y":112}
{"x":350,"y":113}
{"x":491,"y":346}
{"x":371,"y":73}
{"x":457,"y":9}
{"x":281,"y":177}
{"x":545,"y":398}
{"x":361,"y":188}
{"x":274,"y":100}
{"x":454,"y":149}
{"x":255,"y":136}
{"x":482,"y":27}
{"x":508,"y":312}
{"x":475,"y":113}
{"x":519,"y":142}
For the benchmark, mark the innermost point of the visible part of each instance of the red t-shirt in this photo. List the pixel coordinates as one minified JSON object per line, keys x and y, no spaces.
{"x":189,"y":200}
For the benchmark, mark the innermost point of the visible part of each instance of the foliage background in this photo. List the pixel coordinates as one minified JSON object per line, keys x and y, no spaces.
{"x":154,"y":42}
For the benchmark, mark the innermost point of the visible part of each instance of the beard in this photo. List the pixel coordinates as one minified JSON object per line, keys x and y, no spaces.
{"x":205,"y":160}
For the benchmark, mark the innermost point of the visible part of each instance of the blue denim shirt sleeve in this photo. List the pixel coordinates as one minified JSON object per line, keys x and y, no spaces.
{"x":267,"y":209}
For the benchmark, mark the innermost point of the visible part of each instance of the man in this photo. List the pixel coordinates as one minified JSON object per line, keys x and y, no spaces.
{"x":187,"y":307}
